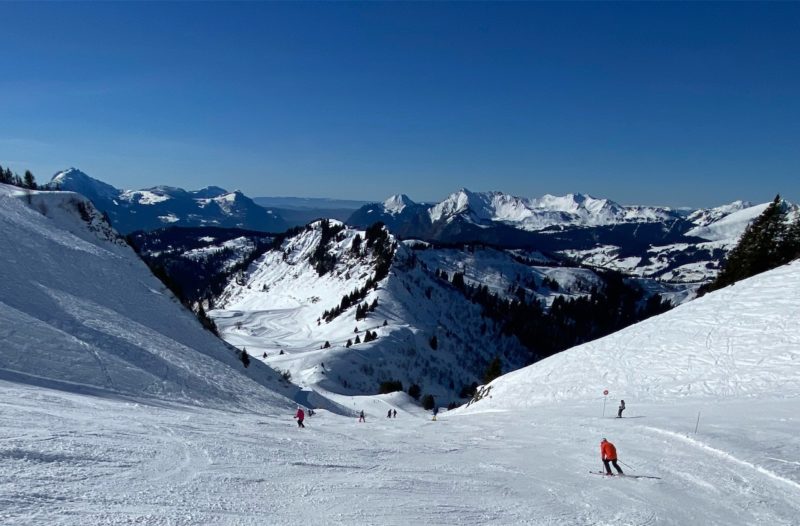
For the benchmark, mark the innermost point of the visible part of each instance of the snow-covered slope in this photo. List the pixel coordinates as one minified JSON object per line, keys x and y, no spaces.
{"x":278,"y":305}
{"x":79,"y":311}
{"x":706,"y":216}
{"x":151,"y":208}
{"x":741,"y":341}
{"x":728,"y":227}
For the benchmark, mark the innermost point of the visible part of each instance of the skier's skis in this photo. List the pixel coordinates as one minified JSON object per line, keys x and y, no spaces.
{"x":624,"y":475}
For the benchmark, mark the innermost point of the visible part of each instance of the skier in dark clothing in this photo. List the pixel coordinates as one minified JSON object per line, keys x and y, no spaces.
{"x":621,"y":408}
{"x":389,"y":414}
{"x":394,"y":413}
{"x":361,"y":417}
{"x":609,"y":455}
{"x":300,"y":416}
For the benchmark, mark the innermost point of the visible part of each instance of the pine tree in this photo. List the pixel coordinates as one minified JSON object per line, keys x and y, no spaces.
{"x":414,"y":391}
{"x":356,"y":246}
{"x":327,"y":345}
{"x":428,"y":402}
{"x":349,"y":343}
{"x":791,"y":246}
{"x":760,"y":248}
{"x":357,"y":340}
{"x":6,"y":176}
{"x":458,"y":281}
{"x":434,"y":342}
{"x":493,"y":371}
{"x":29,"y":181}
{"x":245,"y":358}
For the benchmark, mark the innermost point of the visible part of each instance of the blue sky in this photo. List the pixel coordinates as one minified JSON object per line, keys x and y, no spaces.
{"x":684,"y":104}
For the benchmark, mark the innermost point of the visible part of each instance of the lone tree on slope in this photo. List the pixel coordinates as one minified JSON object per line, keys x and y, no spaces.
{"x":493,"y":371}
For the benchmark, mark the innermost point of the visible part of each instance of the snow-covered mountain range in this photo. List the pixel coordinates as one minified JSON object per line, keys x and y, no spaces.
{"x":658,"y":242}
{"x":529,"y":214}
{"x":161,"y":206}
{"x":645,"y":241}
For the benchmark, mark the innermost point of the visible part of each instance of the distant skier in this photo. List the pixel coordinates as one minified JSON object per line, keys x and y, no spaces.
{"x":435,"y":412}
{"x":389,"y":414}
{"x":361,"y":417}
{"x":394,"y":413}
{"x":609,"y":455}
{"x":621,"y":408}
{"x":300,"y":416}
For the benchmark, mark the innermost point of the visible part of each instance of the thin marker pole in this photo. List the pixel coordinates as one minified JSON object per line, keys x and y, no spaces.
{"x":697,"y":423}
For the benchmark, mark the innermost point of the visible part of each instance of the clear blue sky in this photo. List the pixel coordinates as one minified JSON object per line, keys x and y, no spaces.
{"x":678,"y":104}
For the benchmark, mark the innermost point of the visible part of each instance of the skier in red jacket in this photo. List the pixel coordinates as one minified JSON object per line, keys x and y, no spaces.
{"x":300,"y":416}
{"x":609,"y":455}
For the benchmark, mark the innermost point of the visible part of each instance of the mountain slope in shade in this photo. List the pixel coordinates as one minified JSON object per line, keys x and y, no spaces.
{"x":741,"y":341}
{"x":79,"y":311}
{"x":160,"y":206}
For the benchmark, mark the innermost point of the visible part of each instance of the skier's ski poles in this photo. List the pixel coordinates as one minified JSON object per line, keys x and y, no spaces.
{"x":624,"y":464}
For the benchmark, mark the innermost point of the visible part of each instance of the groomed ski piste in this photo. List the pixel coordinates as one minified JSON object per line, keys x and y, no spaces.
{"x":119,"y":437}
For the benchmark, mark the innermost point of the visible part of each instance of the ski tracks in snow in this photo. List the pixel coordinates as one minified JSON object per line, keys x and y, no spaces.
{"x":725,"y":455}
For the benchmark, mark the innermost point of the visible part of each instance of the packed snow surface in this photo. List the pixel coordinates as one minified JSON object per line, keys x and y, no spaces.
{"x":76,"y":460}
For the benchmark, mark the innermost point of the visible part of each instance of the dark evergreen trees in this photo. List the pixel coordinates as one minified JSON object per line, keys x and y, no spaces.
{"x":29,"y":181}
{"x":245,"y":358}
{"x":205,"y":321}
{"x":434,"y":342}
{"x":414,"y":391}
{"x":321,"y":258}
{"x":468,"y":391}
{"x":493,"y":370}
{"x":428,"y":402}
{"x":355,"y":248}
{"x":766,"y":243}
{"x":390,"y":386}
{"x":458,"y":281}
